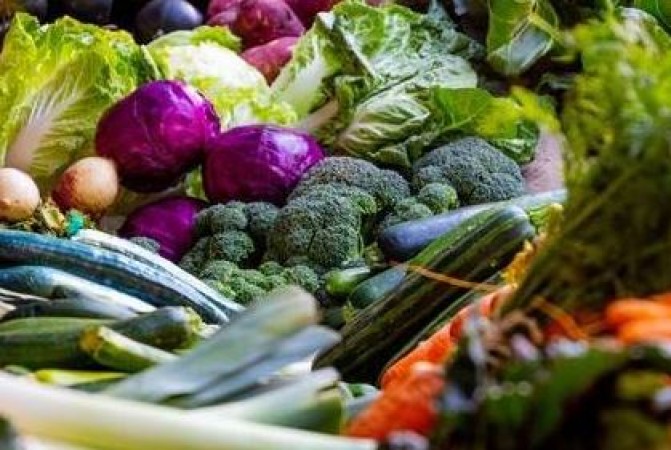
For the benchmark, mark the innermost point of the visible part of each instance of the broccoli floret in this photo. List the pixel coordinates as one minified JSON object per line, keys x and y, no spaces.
{"x":196,"y":258}
{"x":221,"y":218}
{"x":245,"y":291}
{"x":218,"y":270}
{"x":234,"y":246}
{"x":146,"y":243}
{"x":303,"y":276}
{"x":478,"y":171}
{"x":260,"y":219}
{"x":408,"y":209}
{"x":386,"y":186}
{"x":323,"y":229}
{"x":271,"y":268}
{"x":439,"y":197}
{"x":246,"y":285}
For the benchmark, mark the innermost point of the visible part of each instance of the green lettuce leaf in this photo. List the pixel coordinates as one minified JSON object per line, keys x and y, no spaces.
{"x":520,"y":33}
{"x":207,"y":59}
{"x":376,"y":83}
{"x":55,"y":83}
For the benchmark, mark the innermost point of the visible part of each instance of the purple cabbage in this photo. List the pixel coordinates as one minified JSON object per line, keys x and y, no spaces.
{"x":257,"y":163}
{"x":157,"y":134}
{"x":171,"y":222}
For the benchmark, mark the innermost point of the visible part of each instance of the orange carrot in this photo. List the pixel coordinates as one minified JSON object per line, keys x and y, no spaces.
{"x":645,"y":330}
{"x":622,"y":311}
{"x":436,"y":349}
{"x":410,"y":405}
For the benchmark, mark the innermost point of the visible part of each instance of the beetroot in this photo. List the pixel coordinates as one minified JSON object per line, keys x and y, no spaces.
{"x":257,"y":22}
{"x":271,"y":57}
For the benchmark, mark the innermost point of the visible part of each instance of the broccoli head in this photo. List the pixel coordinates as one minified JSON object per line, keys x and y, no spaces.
{"x":408,"y":209}
{"x":439,"y":197}
{"x":234,"y":232}
{"x":322,"y":228}
{"x":386,"y":186}
{"x":478,"y":171}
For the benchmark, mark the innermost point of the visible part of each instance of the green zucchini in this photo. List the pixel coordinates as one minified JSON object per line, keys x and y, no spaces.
{"x":478,"y":249}
{"x":49,"y":342}
{"x":71,"y":307}
{"x":116,"y":351}
{"x":340,"y":283}
{"x":114,"y":270}
{"x":31,"y":325}
{"x":439,"y":322}
{"x":377,"y":287}
{"x":405,"y":240}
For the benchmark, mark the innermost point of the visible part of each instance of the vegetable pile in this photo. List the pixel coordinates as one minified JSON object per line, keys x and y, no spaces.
{"x":319,"y":230}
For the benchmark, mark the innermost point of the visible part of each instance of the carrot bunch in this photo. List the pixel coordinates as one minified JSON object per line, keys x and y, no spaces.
{"x":411,"y":387}
{"x":638,"y":320}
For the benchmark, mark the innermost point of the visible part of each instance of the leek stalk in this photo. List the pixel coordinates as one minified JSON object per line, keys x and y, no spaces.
{"x":113,"y":424}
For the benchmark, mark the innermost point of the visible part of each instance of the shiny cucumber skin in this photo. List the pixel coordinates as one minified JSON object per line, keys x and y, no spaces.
{"x":109,"y":269}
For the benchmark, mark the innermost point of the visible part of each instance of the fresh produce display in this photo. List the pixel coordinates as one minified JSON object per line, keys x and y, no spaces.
{"x":293,"y":224}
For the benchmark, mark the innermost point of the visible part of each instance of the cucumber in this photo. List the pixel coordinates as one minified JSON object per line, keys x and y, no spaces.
{"x":112,"y":269}
{"x":478,"y":249}
{"x":71,"y":307}
{"x":339,"y":283}
{"x":375,"y":288}
{"x":47,"y":342}
{"x":405,"y":240}
{"x":118,"y":352}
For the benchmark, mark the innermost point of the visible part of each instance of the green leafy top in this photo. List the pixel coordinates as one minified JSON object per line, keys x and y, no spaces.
{"x":616,"y":238}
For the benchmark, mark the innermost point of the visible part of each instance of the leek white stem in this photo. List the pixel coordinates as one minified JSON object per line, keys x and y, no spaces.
{"x":110,"y":424}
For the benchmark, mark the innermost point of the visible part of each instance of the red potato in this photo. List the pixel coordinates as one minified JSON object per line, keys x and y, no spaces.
{"x":258,"y":22}
{"x":271,"y":57}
